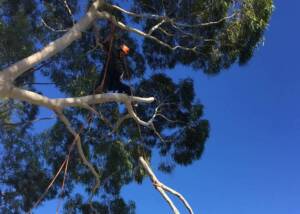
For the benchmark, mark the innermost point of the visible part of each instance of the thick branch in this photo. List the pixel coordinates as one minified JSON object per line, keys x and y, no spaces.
{"x":15,"y":70}
{"x":60,"y":103}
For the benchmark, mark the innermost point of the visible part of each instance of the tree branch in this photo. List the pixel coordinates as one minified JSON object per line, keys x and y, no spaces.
{"x":184,"y":201}
{"x":154,"y":181}
{"x":77,"y":139}
{"x":141,"y":33}
{"x":51,"y":28}
{"x":162,"y":188}
{"x":120,"y":121}
{"x":15,"y":70}
{"x":146,"y":15}
{"x":155,"y":16}
{"x":60,"y":103}
{"x":205,"y":24}
{"x":27,"y":122}
{"x":156,"y":26}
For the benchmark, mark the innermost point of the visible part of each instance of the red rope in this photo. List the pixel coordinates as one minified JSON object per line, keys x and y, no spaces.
{"x":89,"y":120}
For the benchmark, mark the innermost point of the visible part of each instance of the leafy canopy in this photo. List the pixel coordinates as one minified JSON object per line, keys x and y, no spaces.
{"x":220,"y":33}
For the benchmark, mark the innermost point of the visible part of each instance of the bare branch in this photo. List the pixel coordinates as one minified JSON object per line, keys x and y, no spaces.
{"x":165,"y":32}
{"x":59,"y":103}
{"x":167,"y":119}
{"x":141,"y":33}
{"x":157,"y":133}
{"x":77,"y":139}
{"x":155,"y":181}
{"x":162,"y":187}
{"x":69,"y":10}
{"x":205,"y":24}
{"x":15,"y":70}
{"x":134,"y":116}
{"x":51,"y":28}
{"x":184,"y":201}
{"x":145,"y":15}
{"x":166,"y":18}
{"x":156,"y":26}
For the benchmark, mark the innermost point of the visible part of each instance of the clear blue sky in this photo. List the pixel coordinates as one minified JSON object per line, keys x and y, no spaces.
{"x":251,"y":164}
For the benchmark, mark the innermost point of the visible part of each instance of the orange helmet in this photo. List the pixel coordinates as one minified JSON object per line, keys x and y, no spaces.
{"x":125,"y":49}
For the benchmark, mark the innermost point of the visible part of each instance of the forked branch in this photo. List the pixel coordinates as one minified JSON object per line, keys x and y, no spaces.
{"x":162,"y":188}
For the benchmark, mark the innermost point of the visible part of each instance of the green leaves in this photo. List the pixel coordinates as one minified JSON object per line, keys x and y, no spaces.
{"x":223,"y":32}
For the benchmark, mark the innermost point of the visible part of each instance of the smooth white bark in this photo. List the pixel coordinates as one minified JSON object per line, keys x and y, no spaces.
{"x":162,"y":188}
{"x":12,"y":72}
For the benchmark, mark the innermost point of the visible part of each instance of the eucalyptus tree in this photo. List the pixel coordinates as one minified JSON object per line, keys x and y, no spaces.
{"x":96,"y":141}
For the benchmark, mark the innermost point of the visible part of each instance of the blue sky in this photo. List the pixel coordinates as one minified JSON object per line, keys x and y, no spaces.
{"x":251,"y":162}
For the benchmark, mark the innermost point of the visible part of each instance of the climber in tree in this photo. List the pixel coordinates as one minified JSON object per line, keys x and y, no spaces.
{"x":114,"y":71}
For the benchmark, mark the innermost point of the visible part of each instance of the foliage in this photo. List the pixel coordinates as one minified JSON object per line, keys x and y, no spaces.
{"x":224,"y":32}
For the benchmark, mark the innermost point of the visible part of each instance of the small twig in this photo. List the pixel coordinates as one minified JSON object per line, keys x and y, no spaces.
{"x":157,"y":133}
{"x":165,"y":32}
{"x":27,"y":122}
{"x":156,"y":27}
{"x":52,"y":29}
{"x":69,"y":10}
{"x":205,"y":24}
{"x":148,"y":16}
{"x":167,"y":119}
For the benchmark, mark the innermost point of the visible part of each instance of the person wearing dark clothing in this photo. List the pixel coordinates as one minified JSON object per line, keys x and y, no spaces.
{"x":113,"y":72}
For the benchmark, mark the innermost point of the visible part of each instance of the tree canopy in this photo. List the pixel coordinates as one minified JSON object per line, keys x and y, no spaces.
{"x":209,"y":36}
